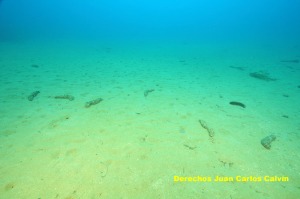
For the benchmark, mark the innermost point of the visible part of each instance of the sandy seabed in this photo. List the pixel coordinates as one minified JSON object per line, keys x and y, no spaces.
{"x":147,"y":130}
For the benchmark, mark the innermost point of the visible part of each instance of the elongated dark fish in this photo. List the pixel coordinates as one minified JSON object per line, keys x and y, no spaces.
{"x":291,"y":61}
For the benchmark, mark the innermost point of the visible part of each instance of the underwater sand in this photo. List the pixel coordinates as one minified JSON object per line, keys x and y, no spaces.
{"x":131,"y":146}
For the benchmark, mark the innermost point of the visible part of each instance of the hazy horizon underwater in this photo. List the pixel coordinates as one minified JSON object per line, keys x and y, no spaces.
{"x":149,"y":99}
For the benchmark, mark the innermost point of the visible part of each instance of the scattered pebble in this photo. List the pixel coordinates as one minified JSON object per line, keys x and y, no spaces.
{"x":146,"y":92}
{"x":68,"y":97}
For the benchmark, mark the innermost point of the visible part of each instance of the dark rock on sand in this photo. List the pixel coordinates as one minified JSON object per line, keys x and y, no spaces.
{"x":261,"y":75}
{"x":33,"y":95}
{"x":93,"y":102}
{"x":266,"y":142}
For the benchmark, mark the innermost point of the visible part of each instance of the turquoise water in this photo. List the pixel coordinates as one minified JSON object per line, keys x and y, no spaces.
{"x":141,"y":99}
